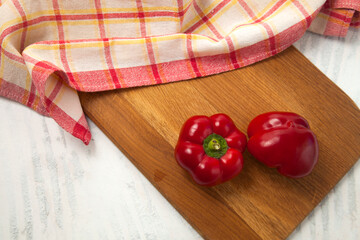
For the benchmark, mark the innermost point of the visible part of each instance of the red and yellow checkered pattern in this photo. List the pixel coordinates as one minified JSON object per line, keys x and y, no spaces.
{"x":336,"y":16}
{"x":51,"y":49}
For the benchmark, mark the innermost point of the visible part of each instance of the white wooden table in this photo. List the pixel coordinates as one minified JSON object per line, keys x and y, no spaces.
{"x":52,"y":186}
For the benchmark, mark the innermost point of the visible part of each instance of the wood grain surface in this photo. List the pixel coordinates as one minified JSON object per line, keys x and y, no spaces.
{"x":258,"y":204}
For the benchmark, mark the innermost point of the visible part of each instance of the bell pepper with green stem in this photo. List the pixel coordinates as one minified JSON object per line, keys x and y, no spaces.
{"x":210,"y":149}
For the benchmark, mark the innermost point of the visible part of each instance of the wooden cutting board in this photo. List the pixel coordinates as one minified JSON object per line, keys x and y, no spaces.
{"x":258,"y":204}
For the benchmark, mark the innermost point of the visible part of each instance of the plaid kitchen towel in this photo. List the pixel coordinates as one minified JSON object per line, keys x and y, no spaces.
{"x":51,"y":49}
{"x":336,"y":16}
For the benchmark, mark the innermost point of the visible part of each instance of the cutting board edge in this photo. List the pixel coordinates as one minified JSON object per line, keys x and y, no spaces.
{"x":351,"y":101}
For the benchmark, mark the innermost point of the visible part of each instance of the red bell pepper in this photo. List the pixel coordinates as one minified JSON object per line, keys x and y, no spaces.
{"x":283,"y":140}
{"x":210,"y":149}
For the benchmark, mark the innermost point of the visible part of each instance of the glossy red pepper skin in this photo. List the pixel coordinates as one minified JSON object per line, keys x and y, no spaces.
{"x":193,"y":154}
{"x":283,"y":140}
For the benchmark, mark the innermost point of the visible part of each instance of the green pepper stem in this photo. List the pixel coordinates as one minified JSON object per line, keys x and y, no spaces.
{"x":215,"y":146}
